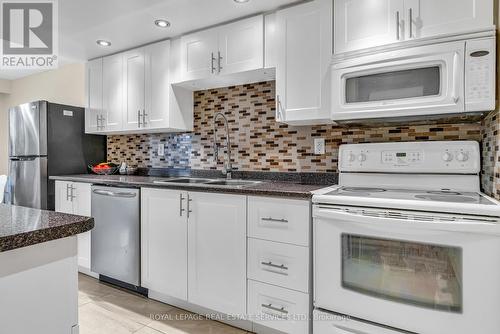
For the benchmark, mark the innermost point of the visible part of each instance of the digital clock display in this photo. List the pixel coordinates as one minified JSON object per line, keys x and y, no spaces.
{"x":401,"y":155}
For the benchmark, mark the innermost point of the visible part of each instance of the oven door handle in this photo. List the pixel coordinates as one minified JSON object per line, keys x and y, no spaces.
{"x":347,"y":218}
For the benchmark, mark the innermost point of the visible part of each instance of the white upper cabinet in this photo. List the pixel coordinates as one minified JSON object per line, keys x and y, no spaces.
{"x":131,"y":92}
{"x":361,"y":24}
{"x":304,"y":50}
{"x":112,"y":79}
{"x":134,"y":90}
{"x":426,"y":18}
{"x":93,"y":95}
{"x":241,"y":46}
{"x":225,"y":50}
{"x":199,"y":55}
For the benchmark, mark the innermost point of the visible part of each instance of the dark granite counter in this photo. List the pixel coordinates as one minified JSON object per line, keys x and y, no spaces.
{"x":21,"y":227}
{"x":264,"y":188}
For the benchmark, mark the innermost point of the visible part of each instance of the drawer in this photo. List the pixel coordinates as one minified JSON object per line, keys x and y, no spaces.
{"x":278,"y":308}
{"x":281,"y":220}
{"x":280,"y":264}
{"x":328,"y":323}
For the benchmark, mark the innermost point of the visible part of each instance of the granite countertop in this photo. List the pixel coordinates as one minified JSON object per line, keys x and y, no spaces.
{"x":21,"y":227}
{"x":264,"y":188}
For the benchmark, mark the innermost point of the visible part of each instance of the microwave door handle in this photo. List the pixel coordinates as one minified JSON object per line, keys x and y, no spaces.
{"x":456,"y":64}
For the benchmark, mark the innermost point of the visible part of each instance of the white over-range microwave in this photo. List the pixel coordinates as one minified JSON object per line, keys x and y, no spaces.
{"x":418,"y":82}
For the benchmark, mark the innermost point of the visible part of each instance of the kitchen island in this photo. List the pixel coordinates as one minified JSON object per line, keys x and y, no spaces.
{"x":38,"y":270}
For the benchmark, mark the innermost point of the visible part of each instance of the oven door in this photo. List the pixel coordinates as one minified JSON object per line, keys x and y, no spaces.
{"x":413,"y":82}
{"x":392,"y":272}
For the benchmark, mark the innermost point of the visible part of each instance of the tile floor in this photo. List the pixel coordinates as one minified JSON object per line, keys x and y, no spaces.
{"x":104,"y":309}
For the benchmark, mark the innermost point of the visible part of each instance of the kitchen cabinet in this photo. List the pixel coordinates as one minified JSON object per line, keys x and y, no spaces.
{"x":136,"y":93}
{"x":112,"y":83}
{"x":93,"y":95}
{"x":217,"y":251}
{"x":194,"y":247}
{"x":363,"y":24}
{"x":303,"y":51}
{"x":228,"y":49}
{"x":164,"y":242}
{"x":75,"y":198}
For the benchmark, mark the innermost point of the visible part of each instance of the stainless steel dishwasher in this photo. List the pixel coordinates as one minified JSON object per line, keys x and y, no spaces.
{"x":115,"y":238}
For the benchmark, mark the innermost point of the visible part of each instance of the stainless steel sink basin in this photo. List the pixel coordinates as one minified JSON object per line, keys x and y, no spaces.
{"x":233,"y":183}
{"x":184,"y":180}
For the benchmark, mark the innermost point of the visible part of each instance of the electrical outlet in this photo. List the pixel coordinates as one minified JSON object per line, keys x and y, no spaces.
{"x":161,"y":150}
{"x":319,"y":146}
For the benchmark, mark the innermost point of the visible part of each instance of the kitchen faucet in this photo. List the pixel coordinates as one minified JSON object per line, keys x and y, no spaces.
{"x":228,"y":167}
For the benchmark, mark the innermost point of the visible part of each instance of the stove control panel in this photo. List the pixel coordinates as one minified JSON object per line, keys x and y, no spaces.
{"x":460,"y":157}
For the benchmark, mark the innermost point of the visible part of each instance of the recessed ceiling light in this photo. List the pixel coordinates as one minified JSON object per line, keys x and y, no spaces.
{"x":162,"y":23}
{"x":241,"y":1}
{"x":102,"y":42}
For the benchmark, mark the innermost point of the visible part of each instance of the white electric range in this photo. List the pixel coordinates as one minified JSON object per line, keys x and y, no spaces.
{"x":407,"y":242}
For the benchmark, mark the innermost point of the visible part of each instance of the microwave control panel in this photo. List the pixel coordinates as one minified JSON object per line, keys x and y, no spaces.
{"x":480,"y":74}
{"x":461,"y":157}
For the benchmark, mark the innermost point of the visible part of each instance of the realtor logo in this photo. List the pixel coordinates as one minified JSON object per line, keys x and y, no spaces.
{"x":29,"y":34}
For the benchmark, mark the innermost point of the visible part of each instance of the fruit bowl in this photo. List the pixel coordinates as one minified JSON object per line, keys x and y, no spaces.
{"x":104,"y":169}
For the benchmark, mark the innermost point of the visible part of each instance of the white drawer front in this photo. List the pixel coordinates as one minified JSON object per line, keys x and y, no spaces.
{"x":327,"y":323}
{"x":280,"y":264}
{"x":281,"y":220}
{"x":278,"y":308}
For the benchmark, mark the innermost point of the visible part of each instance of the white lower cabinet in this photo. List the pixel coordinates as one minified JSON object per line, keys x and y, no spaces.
{"x":164,"y":242}
{"x":75,"y":198}
{"x":194,"y":247}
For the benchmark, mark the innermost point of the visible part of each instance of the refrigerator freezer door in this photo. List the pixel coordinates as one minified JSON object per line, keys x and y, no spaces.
{"x":28,"y":182}
{"x":28,"y":130}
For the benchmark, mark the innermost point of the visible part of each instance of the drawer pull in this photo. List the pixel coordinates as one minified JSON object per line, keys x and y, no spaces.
{"x":274,"y":220}
{"x":277,"y":266}
{"x":276,"y":309}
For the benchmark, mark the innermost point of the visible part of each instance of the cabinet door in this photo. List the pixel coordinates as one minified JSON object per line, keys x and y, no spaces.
{"x":113,"y":92}
{"x":199,"y":55}
{"x":93,"y":89}
{"x":362,"y":24}
{"x":217,"y":252}
{"x":134,"y":88}
{"x":63,"y":200}
{"x":81,"y":206}
{"x":241,"y":46}
{"x":304,"y":37}
{"x":158,"y":90}
{"x":431,"y":18}
{"x":164,"y":241}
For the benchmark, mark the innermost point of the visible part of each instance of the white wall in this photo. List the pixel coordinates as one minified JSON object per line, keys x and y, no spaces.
{"x":65,"y":85}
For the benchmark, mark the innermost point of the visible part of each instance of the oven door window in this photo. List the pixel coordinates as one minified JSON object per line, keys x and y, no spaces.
{"x":394,"y":85}
{"x":412,"y":273}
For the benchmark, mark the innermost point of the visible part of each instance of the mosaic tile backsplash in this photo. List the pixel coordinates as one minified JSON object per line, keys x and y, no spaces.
{"x":259,"y":143}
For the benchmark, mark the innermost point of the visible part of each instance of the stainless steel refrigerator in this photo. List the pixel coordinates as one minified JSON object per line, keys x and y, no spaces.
{"x":47,"y":139}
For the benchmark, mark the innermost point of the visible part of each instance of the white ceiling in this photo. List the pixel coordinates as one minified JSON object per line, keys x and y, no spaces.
{"x":129,"y":23}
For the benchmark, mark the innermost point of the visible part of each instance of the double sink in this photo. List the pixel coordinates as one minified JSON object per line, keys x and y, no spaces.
{"x":209,"y":182}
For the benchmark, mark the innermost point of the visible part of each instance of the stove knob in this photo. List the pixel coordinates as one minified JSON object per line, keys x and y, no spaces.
{"x":462,"y":157}
{"x":447,"y":157}
{"x":361,"y":157}
{"x":351,"y":157}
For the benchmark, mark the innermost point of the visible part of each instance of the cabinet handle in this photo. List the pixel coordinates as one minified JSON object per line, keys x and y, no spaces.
{"x":138,"y":118}
{"x":274,"y":220}
{"x":275,"y":309}
{"x":272,"y":265}
{"x":219,"y":58}
{"x":97,"y":122}
{"x":72,"y":196}
{"x":180,"y":204}
{"x":410,"y":21}
{"x":189,"y":200}
{"x":144,"y":117}
{"x":67,"y":192}
{"x":397,"y":26}
{"x":213,"y":66}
